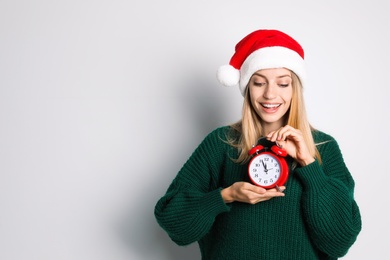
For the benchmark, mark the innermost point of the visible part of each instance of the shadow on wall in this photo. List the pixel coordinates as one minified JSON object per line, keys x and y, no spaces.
{"x":146,"y":240}
{"x":208,"y":104}
{"x":140,"y":231}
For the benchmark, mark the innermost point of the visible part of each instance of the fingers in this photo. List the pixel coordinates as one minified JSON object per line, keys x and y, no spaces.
{"x":291,"y":140}
{"x":256,"y":189}
{"x":268,"y":192}
{"x":276,"y":192}
{"x":257,"y":194}
{"x":283,"y":133}
{"x":252,"y":194}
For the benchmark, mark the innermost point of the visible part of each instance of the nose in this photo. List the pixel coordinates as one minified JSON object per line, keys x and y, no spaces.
{"x":270,"y":91}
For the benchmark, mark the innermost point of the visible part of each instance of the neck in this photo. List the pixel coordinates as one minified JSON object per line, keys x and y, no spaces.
{"x":270,"y":127}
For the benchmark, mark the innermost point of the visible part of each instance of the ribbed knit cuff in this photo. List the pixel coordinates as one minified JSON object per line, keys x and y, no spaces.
{"x":214,"y":204}
{"x":311,"y":175}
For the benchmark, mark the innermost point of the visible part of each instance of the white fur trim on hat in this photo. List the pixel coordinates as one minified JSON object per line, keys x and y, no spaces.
{"x":270,"y":58}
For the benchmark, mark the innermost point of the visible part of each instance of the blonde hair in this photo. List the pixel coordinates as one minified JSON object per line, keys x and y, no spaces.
{"x":250,"y":128}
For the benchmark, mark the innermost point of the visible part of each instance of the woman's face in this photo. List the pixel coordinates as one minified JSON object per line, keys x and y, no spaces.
{"x":270,"y":94}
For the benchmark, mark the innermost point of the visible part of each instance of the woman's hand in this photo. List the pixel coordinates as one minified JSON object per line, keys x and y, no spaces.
{"x":249,"y":193}
{"x":292,"y":141}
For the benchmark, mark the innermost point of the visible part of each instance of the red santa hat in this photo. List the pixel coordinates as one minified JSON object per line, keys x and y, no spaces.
{"x":262,"y":49}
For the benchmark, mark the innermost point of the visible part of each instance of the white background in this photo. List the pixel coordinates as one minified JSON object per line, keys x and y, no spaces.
{"x":101,"y":102}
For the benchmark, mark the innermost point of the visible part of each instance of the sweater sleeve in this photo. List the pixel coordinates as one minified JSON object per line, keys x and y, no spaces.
{"x":332,"y":214}
{"x":188,"y":209}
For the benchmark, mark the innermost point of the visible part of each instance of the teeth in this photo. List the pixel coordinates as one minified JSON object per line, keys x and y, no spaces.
{"x":270,"y":105}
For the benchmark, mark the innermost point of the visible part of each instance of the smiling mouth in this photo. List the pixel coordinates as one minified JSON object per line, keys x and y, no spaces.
{"x":270,"y":106}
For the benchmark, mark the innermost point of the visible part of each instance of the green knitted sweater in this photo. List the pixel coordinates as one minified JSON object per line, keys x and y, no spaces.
{"x":318,"y":217}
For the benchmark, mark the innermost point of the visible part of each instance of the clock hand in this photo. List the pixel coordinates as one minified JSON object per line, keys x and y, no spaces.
{"x":264,"y":165}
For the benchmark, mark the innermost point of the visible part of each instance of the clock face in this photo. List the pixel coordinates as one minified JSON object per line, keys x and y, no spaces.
{"x":265,"y":169}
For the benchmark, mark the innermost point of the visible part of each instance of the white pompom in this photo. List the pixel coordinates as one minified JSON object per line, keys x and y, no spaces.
{"x":228,"y":75}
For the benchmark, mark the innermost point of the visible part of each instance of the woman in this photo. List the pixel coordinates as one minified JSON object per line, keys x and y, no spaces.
{"x":213,"y":201}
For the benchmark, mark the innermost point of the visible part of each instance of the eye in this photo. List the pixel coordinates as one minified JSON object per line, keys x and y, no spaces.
{"x":284,"y":85}
{"x":258,"y":84}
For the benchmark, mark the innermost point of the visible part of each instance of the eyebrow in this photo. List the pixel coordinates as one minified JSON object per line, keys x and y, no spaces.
{"x":281,"y":76}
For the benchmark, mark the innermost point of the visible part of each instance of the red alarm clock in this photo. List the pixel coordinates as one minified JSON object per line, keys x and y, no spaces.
{"x":268,"y":168}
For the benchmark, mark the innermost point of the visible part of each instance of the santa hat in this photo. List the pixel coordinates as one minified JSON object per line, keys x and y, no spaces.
{"x":262,"y":49}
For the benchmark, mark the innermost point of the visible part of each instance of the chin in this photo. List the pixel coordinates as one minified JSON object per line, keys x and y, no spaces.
{"x":271,"y":120}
